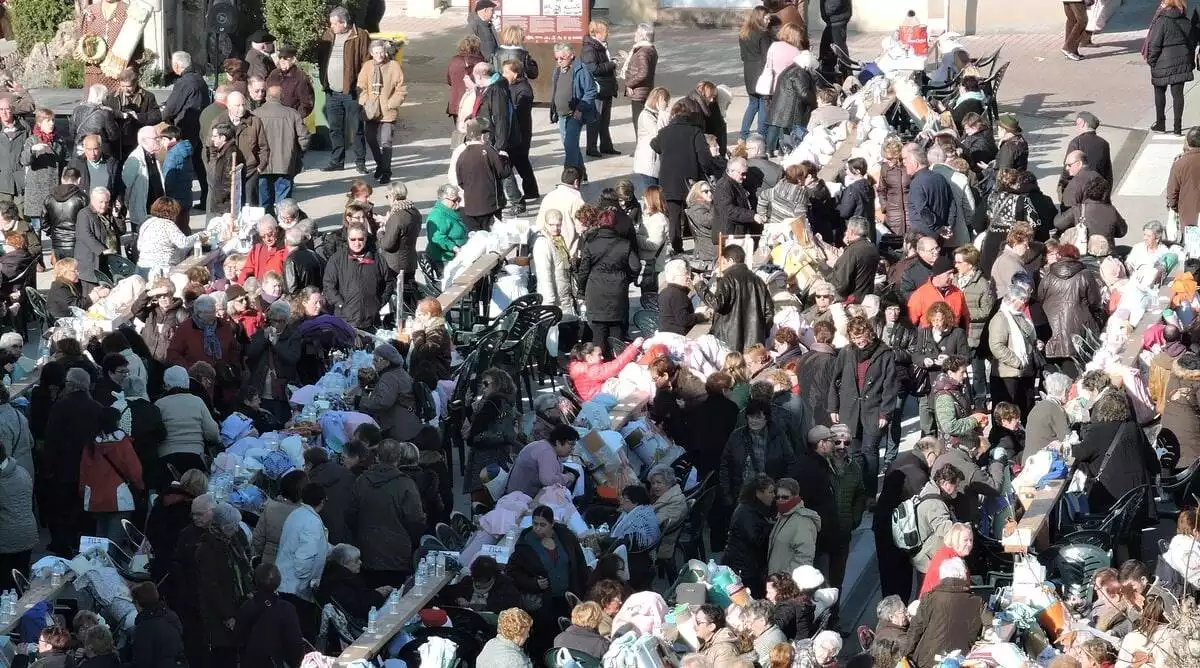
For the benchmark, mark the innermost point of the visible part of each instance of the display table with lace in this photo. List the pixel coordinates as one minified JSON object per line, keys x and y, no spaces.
{"x":389,"y":623}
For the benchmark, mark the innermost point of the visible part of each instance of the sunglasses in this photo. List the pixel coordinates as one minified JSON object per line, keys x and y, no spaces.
{"x":783,"y":497}
{"x":358,"y":239}
{"x":840,"y":441}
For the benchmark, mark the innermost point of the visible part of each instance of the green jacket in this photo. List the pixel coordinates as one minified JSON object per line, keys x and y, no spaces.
{"x":951,"y":409}
{"x":445,"y":231}
{"x":849,"y":493}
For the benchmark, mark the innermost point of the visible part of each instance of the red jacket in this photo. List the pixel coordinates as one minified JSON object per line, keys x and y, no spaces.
{"x":250,"y":321}
{"x":935,"y":564}
{"x":588,"y":378}
{"x":187,"y":346}
{"x":261,"y":260}
{"x":927,"y":296}
{"x":109,"y":474}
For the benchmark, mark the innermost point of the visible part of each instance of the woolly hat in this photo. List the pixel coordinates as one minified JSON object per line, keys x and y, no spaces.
{"x":176,"y":378}
{"x":807,"y":578}
{"x":388,"y":352}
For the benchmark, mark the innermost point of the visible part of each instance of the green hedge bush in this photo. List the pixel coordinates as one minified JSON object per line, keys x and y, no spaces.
{"x":302,"y":22}
{"x":36,"y":21}
{"x":70,"y":73}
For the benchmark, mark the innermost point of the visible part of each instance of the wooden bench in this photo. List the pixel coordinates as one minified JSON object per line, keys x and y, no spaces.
{"x":1033,"y":526}
{"x":389,"y":623}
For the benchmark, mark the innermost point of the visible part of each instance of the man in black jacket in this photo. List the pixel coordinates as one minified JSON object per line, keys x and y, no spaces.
{"x":854,"y":267}
{"x":480,"y":22}
{"x":760,"y":171}
{"x":1082,"y":174}
{"x":594,"y":54}
{"x":740,"y":301}
{"x":521,"y":135}
{"x":357,"y":281}
{"x":479,"y":171}
{"x":135,"y":107}
{"x":93,"y":160}
{"x":1094,"y":147}
{"x":60,"y":210}
{"x":398,"y":243}
{"x":732,"y":203}
{"x":685,"y":158}
{"x":495,"y":110}
{"x":303,"y":267}
{"x":189,"y":96}
{"x":836,"y":15}
{"x":904,"y":478}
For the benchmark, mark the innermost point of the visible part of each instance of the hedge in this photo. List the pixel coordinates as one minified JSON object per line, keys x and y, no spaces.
{"x":36,"y":21}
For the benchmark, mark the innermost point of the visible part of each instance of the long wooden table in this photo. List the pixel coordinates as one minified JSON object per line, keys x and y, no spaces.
{"x":1033,"y":525}
{"x":389,"y":623}
{"x":699,"y":330}
{"x":40,"y":590}
{"x":466,"y":281}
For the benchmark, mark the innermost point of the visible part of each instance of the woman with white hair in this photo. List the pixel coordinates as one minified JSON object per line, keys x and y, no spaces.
{"x":669,"y":505}
{"x":1150,"y":249}
{"x":1047,"y":421}
{"x":638,"y":67}
{"x":676,"y":312}
{"x":91,"y":117}
{"x":552,"y":266}
{"x":949,"y":618}
{"x":342,"y":583}
{"x":1014,"y":349}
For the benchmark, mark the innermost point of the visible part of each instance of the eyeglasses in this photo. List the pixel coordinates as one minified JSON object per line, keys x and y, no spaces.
{"x":824,"y":296}
{"x":840,"y":441}
{"x":701,"y":622}
{"x":358,"y":239}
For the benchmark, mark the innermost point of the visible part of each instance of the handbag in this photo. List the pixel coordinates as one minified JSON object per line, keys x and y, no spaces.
{"x":372,"y":109}
{"x":765,"y":85}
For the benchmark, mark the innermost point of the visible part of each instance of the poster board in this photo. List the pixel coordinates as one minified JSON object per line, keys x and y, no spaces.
{"x":544,"y":21}
{"x":237,"y":189}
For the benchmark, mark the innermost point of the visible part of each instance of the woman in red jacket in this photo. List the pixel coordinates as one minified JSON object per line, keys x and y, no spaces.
{"x":957,"y":544}
{"x":268,"y":254}
{"x":588,"y":370}
{"x":110,"y":476}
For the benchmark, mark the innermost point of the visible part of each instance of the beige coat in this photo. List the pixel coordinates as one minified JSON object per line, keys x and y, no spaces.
{"x":265,"y":539}
{"x":722,"y":650}
{"x":793,"y":540}
{"x":391,"y":92}
{"x":668,"y":508}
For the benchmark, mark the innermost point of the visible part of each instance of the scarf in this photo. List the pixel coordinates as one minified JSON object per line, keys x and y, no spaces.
{"x":864,"y":354}
{"x":786,"y":506}
{"x":963,"y":280}
{"x":625,"y":65}
{"x":43,"y":137}
{"x":560,"y":247}
{"x":1016,"y":335}
{"x":212,"y":344}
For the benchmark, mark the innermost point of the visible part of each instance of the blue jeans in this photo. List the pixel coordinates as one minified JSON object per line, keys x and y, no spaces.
{"x":756,"y":106}
{"x":273,"y":188}
{"x":35,"y":224}
{"x":342,"y":109}
{"x":775,"y":133}
{"x":568,"y":131}
{"x":641,"y":181}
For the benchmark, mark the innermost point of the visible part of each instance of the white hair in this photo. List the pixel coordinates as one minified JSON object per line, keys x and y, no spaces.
{"x":829,"y":641}
{"x":666,"y":472}
{"x":953,"y":568}
{"x":563,"y":47}
{"x":99,"y":190}
{"x":735,"y":163}
{"x":344,"y":554}
{"x":181,"y":58}
{"x":267,"y":222}
{"x":1057,"y":385}
{"x":756,"y":146}
{"x":96,"y":94}
{"x":644,"y":33}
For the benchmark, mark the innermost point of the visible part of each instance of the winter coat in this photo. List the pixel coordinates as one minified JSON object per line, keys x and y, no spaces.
{"x":391,"y":90}
{"x":479,"y":170}
{"x":391,"y":404}
{"x":742,"y":307}
{"x":669,"y":509}
{"x":1004,"y":209}
{"x":224,"y":579}
{"x":979,"y":147}
{"x":1013,"y":153}
{"x":178,"y":172}
{"x":1170,"y":48}
{"x":356,"y":51}
{"x":862,"y":409}
{"x":981,"y":300}
{"x":1069,"y":293}
{"x":684,"y":156}
{"x":795,"y":94}
{"x":1133,"y":462}
{"x":853,"y":275}
{"x":189,"y":96}
{"x":387,"y":518}
{"x":608,"y":263}
{"x":778,"y":458}
{"x":949,"y":618}
{"x":190,"y":425}
{"x":170,"y":513}
{"x":486,"y":33}
{"x":836,"y":11}
{"x":60,"y":209}
{"x":157,"y":638}
{"x":934,"y":517}
{"x":931,"y":204}
{"x":905,"y":477}
{"x":640,"y":70}
{"x":645,"y":159}
{"x":160,"y":325}
{"x":18,"y":524}
{"x":458,"y":67}
{"x":357,"y":287}
{"x":583,"y":93}
{"x":793,"y":541}
{"x":110,"y":474}
{"x":603,"y":69}
{"x":96,"y":119}
{"x":268,"y":632}
{"x":116,"y":187}
{"x":1183,"y":186}
{"x":1047,"y":423}
{"x":553,"y":272}
{"x":783,"y":201}
{"x":262,"y":259}
{"x":495,"y":106}
{"x":1005,"y":362}
{"x":287,"y":136}
{"x":135,"y":174}
{"x":1100,"y":218}
{"x":857,"y":199}
{"x":754,"y":57}
{"x":529,"y":66}
{"x":722,"y":650}
{"x":676,"y":314}
{"x":819,"y":365}
{"x":398,"y":237}
{"x":701,"y":218}
{"x":264,"y":541}
{"x":92,"y":234}
{"x":187,"y":347}
{"x":502,"y":595}
{"x":892,"y":189}
{"x":589,"y":378}
{"x":349,"y":591}
{"x":747,"y":543}
{"x":338,"y":482}
{"x":444,"y":232}
{"x":295,"y":89}
{"x":12,"y":171}
{"x":303,"y":546}
{"x":253,"y":145}
{"x":503,"y":653}
{"x":42,"y":171}
{"x":525,"y":566}
{"x":580,"y":639}
{"x":217,"y":166}
{"x":1073,"y":194}
{"x":732,"y":204}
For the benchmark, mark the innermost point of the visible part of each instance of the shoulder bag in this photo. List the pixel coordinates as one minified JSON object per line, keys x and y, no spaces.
{"x":373,"y":109}
{"x":765,"y":85}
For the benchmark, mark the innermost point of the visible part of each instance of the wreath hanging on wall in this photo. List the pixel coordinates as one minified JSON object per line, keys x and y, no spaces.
{"x":91,"y":50}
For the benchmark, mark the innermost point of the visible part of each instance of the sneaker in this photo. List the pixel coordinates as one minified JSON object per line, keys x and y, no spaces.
{"x":1071,"y":56}
{"x":332,"y":168}
{"x":515,"y":210}
{"x":383,"y":178}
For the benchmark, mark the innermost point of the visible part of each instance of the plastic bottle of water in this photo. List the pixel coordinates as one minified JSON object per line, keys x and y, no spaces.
{"x":440,"y":566}
{"x":372,"y":617}
{"x":12,"y":603}
{"x":394,"y":601}
{"x":57,"y":573}
{"x":712,"y":569}
{"x":197,"y":249}
{"x":419,"y":578}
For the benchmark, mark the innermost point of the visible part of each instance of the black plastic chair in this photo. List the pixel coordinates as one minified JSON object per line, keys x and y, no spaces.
{"x":618,"y":346}
{"x":456,"y":413}
{"x":550,"y":658}
{"x":461,"y":523}
{"x":844,"y":60}
{"x":37,"y":302}
{"x":988,"y":62}
{"x":1075,"y":565}
{"x":120,"y":267}
{"x":470,"y":621}
{"x":691,"y":537}
{"x":1117,"y":526}
{"x":991,"y":89}
{"x":449,"y":537}
{"x":649,"y":301}
{"x":666,"y":565}
{"x":645,"y":323}
{"x":1182,"y":489}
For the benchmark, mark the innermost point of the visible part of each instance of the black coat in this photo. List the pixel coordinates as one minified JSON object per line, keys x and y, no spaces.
{"x":172,"y":511}
{"x":931,"y":204}
{"x":524,"y":566}
{"x":779,"y":459}
{"x":794,"y":99}
{"x":529,"y":66}
{"x":685,"y":156}
{"x":97,"y":119}
{"x":398,"y":238}
{"x":479,"y":170}
{"x":817,"y":367}
{"x":862,"y":409}
{"x":608,"y":263}
{"x":1096,"y":152}
{"x":762,"y":173}
{"x":701,"y":219}
{"x":115,"y":185}
{"x":746,"y":546}
{"x":303,"y":268}
{"x":157,"y":638}
{"x":815,"y":476}
{"x":710,"y":423}
{"x":1013,"y":153}
{"x":853,"y":275}
{"x":732,"y":204}
{"x":858,"y":199}
{"x":1170,"y":48}
{"x":357,"y":287}
{"x":979,"y":147}
{"x":714,"y":120}
{"x":59,"y":214}
{"x":1099,"y":218}
{"x":338,"y":482}
{"x":349,"y":591}
{"x":1133,"y":462}
{"x":387,"y":518}
{"x":1072,"y":195}
{"x":1069,"y":293}
{"x":742,"y":307}
{"x":189,"y":96}
{"x":953,"y":342}
{"x":486,"y":33}
{"x":495,"y":106}
{"x":268,"y":632}
{"x":836,"y":11}
{"x":754,"y":57}
{"x":224,"y":579}
{"x":795,"y":618}
{"x":521,"y":94}
{"x":595,"y":57}
{"x":72,"y":424}
{"x":676,"y":314}
{"x":502,"y":596}
{"x":217,"y":166}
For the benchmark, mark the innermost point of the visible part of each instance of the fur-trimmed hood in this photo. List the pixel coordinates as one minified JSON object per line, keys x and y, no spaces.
{"x":1187,"y":367}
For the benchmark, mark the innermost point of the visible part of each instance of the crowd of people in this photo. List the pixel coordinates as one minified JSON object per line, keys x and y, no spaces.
{"x":938,"y":281}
